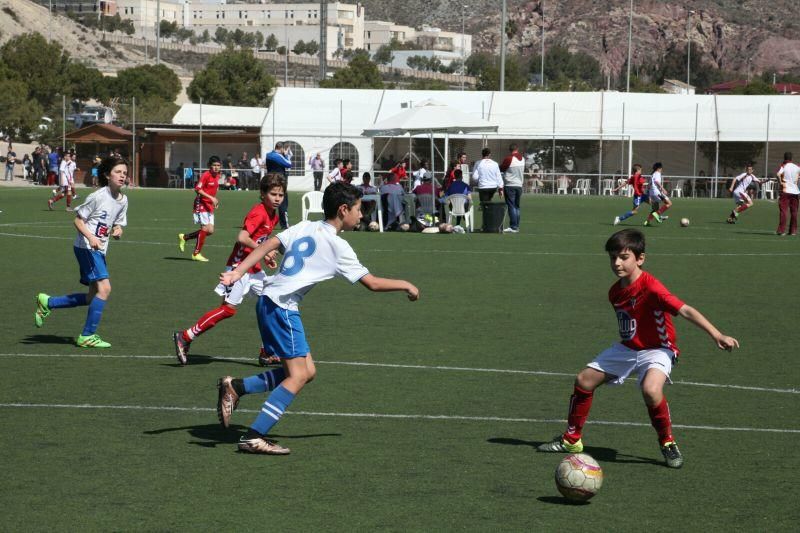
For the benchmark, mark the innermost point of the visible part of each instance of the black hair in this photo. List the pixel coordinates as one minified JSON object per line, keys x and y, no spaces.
{"x":337,"y":161}
{"x":339,"y":194}
{"x":787,"y":156}
{"x":657,"y":166}
{"x":345,"y":162}
{"x":637,"y":166}
{"x":627,"y":239}
{"x":272,"y":180}
{"x":214,"y":159}
{"x":278,"y":145}
{"x":106,"y":165}
{"x":486,"y":152}
{"x":366,"y":175}
{"x":512,"y":147}
{"x":458,"y":174}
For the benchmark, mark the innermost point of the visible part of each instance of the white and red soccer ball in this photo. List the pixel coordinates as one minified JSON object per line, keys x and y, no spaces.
{"x":579,"y":477}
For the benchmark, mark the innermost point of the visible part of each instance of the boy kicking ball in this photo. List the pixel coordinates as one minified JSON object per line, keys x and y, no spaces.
{"x":312,"y":253}
{"x":647,"y":347}
{"x":738,"y":189}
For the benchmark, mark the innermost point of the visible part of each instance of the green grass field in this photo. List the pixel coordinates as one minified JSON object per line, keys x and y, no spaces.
{"x":424,"y":416}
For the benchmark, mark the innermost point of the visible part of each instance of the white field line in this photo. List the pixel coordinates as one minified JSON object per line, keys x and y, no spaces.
{"x":385,"y":416}
{"x":464,"y":252}
{"x":406,"y":367}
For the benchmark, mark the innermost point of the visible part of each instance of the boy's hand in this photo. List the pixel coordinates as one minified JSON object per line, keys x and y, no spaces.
{"x":116,"y":232}
{"x":229,"y":278}
{"x":269,"y":259}
{"x":412,"y":292}
{"x":215,"y":202}
{"x":726,"y":343}
{"x":94,"y":242}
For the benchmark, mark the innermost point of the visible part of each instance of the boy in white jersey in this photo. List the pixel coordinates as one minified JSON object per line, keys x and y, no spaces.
{"x":659,"y":199}
{"x":66,"y":181}
{"x":789,"y":179}
{"x":738,"y":189}
{"x":103,"y":214}
{"x":312,"y":252}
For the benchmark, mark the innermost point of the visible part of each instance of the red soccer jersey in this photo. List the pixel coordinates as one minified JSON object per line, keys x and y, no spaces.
{"x":259,"y":224}
{"x":209,"y":184}
{"x":640,"y":308}
{"x":637,"y":181}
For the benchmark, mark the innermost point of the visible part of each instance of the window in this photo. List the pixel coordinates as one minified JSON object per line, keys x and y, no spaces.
{"x":298,"y":159}
{"x":343,"y":150}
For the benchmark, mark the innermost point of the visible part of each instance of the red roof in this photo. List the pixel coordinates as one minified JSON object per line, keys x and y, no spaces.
{"x":727,"y":86}
{"x":787,"y":88}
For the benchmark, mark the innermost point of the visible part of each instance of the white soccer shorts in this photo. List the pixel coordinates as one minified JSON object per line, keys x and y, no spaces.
{"x":204,"y":218}
{"x":619,"y":361}
{"x":741,"y":198}
{"x":248,"y":284}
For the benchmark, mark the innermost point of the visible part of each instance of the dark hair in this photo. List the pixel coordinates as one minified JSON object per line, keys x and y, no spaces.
{"x":339,"y":194}
{"x":214,"y":159}
{"x":337,"y":161}
{"x":657,"y":166}
{"x":787,"y":156}
{"x":345,"y":162}
{"x":366,"y":175}
{"x":512,"y":147}
{"x":627,"y":239}
{"x":486,"y":152}
{"x":106,"y":165}
{"x":278,"y":145}
{"x":637,"y":166}
{"x":272,"y":180}
{"x":458,"y":174}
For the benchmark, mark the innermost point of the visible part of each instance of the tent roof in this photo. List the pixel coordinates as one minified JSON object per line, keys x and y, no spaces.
{"x":429,"y":116}
{"x":103,"y":133}
{"x":220,"y":115}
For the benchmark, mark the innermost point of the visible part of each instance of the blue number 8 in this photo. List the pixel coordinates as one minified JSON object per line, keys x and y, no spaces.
{"x":301,"y":248}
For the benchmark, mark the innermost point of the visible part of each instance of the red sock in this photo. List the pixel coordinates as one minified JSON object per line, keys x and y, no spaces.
{"x":58,"y":197}
{"x":201,"y":239}
{"x":190,"y":236}
{"x":208,"y":321}
{"x":659,"y":417}
{"x":69,"y":200}
{"x":662,"y":209}
{"x":741,"y":208}
{"x":579,"y":404}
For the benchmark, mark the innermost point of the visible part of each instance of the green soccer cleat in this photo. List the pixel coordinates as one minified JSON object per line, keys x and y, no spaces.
{"x":42,"y":309}
{"x":656,"y":217}
{"x":646,"y":223}
{"x":672,"y":455}
{"x":91,"y":341}
{"x":559,"y":445}
{"x":199,"y":257}
{"x":181,"y":242}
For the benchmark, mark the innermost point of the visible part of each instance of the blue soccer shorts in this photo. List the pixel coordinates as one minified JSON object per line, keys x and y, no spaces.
{"x":638,"y":199}
{"x":92,"y":264}
{"x":282,"y":331}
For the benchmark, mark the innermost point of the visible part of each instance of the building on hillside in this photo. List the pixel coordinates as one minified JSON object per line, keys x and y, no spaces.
{"x":677,"y":87}
{"x":379,"y":33}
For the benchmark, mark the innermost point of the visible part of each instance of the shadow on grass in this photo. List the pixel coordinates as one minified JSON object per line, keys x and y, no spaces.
{"x":211,"y":435}
{"x":559,"y":500}
{"x":609,"y":455}
{"x":199,"y":359}
{"x":178,"y":258}
{"x":47,"y":339}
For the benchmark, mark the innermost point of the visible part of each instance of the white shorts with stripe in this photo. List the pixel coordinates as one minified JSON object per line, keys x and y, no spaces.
{"x":741,"y":197}
{"x":619,"y":362}
{"x":248,"y":284}
{"x":204,"y":218}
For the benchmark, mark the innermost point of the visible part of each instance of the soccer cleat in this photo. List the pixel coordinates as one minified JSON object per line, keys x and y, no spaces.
{"x":656,"y":217}
{"x":181,"y":242}
{"x":42,"y":309}
{"x":50,"y":204}
{"x":646,"y":223}
{"x":616,"y":221}
{"x":262,"y":445}
{"x":672,"y":455}
{"x":265,"y":359}
{"x":181,"y":347}
{"x":559,"y":445}
{"x":731,"y":220}
{"x":227,"y":402}
{"x":91,"y":341}
{"x":199,"y":257}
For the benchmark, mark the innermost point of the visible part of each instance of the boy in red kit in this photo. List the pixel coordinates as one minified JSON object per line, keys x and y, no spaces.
{"x":257,"y":226}
{"x":647,"y":347}
{"x":636,"y":181}
{"x":204,"y":205}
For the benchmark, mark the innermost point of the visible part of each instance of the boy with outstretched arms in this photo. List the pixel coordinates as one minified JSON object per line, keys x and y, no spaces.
{"x":312,"y":253}
{"x":738,"y":190}
{"x":647,"y":347}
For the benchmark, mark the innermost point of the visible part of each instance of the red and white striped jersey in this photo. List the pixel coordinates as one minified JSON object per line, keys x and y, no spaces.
{"x":643,"y":312}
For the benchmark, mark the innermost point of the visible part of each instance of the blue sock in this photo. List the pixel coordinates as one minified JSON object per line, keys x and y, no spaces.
{"x":626,"y":215}
{"x":265,"y":381}
{"x":272,"y":410}
{"x":68,"y":300}
{"x":93,"y":316}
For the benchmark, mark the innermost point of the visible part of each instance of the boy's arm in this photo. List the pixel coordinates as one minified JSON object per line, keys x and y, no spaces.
{"x":694,"y":316}
{"x":80,"y":225}
{"x":376,"y":284}
{"x":260,"y":252}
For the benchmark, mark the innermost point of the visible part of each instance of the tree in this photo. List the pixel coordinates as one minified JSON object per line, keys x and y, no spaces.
{"x":85,"y":82}
{"x":361,"y":73}
{"x":732,"y":155}
{"x":259,"y":39}
{"x":221,"y":35}
{"x":312,"y":48}
{"x":31,"y":57}
{"x":755,"y":87}
{"x":21,"y":114}
{"x":516,"y":76}
{"x":157,"y":81}
{"x":428,"y":85}
{"x":271,"y":43}
{"x":205,"y":37}
{"x":167,"y":29}
{"x":299,"y":47}
{"x":148,"y":109}
{"x":383,"y":56}
{"x":233,"y":77}
{"x":478,"y":62}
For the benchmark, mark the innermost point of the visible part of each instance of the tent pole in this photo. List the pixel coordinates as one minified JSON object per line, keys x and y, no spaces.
{"x":694,"y":155}
{"x":766,"y":146}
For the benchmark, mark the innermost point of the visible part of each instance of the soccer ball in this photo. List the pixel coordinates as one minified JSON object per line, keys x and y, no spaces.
{"x":684,"y":222}
{"x":579,"y":477}
{"x":373,"y":226}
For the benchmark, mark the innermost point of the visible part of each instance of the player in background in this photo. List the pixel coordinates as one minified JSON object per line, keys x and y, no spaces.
{"x":103,"y":214}
{"x":66,"y":181}
{"x":647,"y":347}
{"x":788,"y":176}
{"x":336,"y":173}
{"x":312,"y":253}
{"x":636,"y":181}
{"x":205,"y":202}
{"x":257,"y":226}
{"x":658,"y":196}
{"x":738,"y":189}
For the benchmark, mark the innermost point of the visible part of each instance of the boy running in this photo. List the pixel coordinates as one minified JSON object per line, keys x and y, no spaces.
{"x":738,"y":189}
{"x":204,"y":205}
{"x":257,"y":226}
{"x":312,"y":253}
{"x":636,"y":181}
{"x":647,"y":347}
{"x":66,"y":181}
{"x":658,"y":195}
{"x":104,"y":213}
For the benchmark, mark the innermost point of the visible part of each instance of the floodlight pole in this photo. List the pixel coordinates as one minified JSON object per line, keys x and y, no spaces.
{"x":158,"y":32}
{"x":50,"y":22}
{"x":630,"y":35}
{"x":542,"y":73}
{"x":688,"y":52}
{"x":503,"y":49}
{"x":464,"y":45}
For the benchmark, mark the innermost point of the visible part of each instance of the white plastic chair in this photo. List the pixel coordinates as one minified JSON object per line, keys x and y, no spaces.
{"x":563,"y":185}
{"x":768,"y":190}
{"x":677,"y":190}
{"x":607,"y":187}
{"x":312,"y":203}
{"x":173,"y":180}
{"x":582,"y":186}
{"x":578,"y":186}
{"x":456,"y":205}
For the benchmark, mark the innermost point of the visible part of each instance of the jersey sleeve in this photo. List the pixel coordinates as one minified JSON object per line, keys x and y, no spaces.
{"x":347,"y":264}
{"x":200,"y":183}
{"x":253,"y":220}
{"x":122,"y":218}
{"x":85,"y":210}
{"x":664,"y":299}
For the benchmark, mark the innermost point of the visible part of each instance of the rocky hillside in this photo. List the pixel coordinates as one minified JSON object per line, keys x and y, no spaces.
{"x":727,"y":33}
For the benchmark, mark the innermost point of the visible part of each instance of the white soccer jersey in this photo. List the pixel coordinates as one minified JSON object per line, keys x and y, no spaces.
{"x":101,"y":212}
{"x":790,"y":173}
{"x":743,"y":181}
{"x":312,"y":252}
{"x":656,"y":188}
{"x":66,"y":173}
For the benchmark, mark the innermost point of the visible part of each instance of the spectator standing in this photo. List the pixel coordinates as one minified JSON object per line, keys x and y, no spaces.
{"x":279,"y":161}
{"x":400,"y":171}
{"x":11,"y":160}
{"x":27,"y":167}
{"x":257,"y":167}
{"x":788,"y":199}
{"x":317,"y":168}
{"x":513,"y":168}
{"x":243,"y":169}
{"x":487,"y":177}
{"x":53,"y":164}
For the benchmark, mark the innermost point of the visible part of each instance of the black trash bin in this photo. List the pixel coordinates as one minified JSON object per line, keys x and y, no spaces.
{"x":494,"y":213}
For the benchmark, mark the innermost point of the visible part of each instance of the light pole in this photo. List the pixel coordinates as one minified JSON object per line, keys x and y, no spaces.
{"x":542,"y":73}
{"x":689,"y":51}
{"x":630,"y":34}
{"x":503,"y":49}
{"x":158,"y":32}
{"x":463,"y":45}
{"x":50,"y":22}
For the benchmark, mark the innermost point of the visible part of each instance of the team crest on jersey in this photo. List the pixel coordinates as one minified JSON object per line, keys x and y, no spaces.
{"x":627,"y":325}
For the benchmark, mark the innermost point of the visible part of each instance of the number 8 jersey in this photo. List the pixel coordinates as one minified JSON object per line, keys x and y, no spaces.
{"x":101,"y":212}
{"x":312,"y":252}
